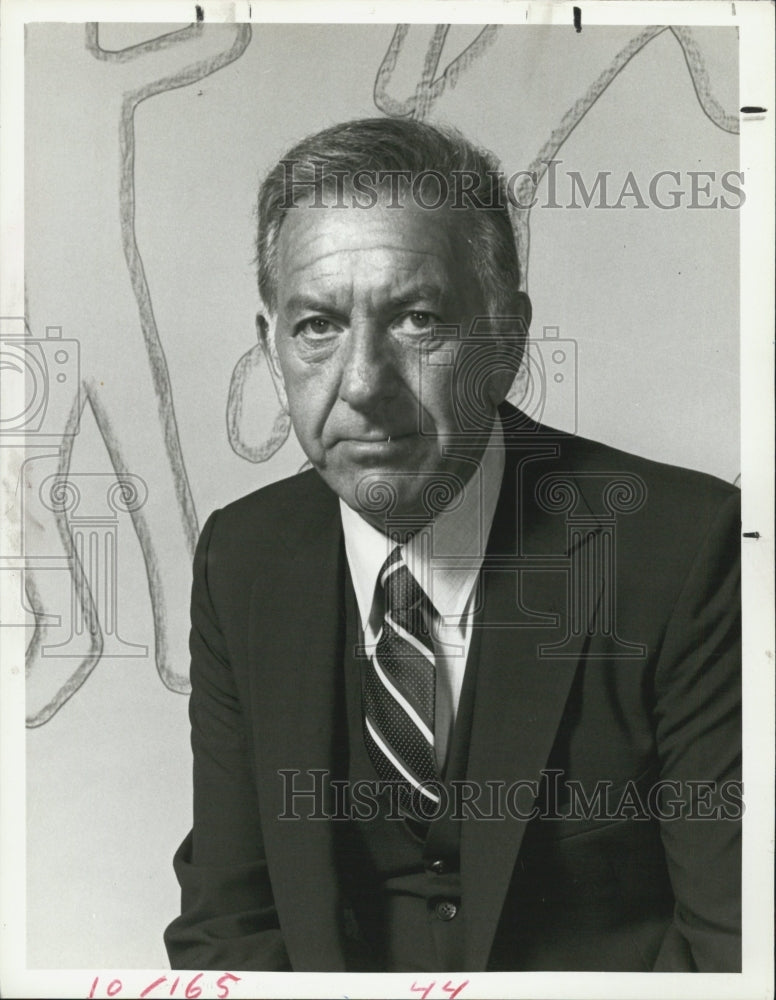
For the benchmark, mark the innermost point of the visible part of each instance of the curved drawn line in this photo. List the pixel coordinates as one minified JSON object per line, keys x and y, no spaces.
{"x":159,"y":370}
{"x":156,"y":44}
{"x":384,"y":72}
{"x":38,"y":610}
{"x":696,"y":67}
{"x":428,"y":93}
{"x":157,"y":359}
{"x":281,"y":426}
{"x":577,"y":112}
{"x":82,"y":591}
{"x":559,"y":135}
{"x":580,"y":108}
{"x":428,"y":90}
{"x":171,"y":680}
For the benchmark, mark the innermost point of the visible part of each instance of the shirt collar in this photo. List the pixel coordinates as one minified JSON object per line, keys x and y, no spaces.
{"x":445,"y":557}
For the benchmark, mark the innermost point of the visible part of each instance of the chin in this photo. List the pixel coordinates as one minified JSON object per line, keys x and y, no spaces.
{"x":418,"y":495}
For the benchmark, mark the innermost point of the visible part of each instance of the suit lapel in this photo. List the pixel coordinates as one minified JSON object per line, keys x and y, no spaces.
{"x":298,"y":703}
{"x":521,"y":690}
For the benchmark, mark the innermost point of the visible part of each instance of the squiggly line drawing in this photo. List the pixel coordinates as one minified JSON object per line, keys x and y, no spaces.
{"x":183,"y":78}
{"x":429,"y":87}
{"x":429,"y":90}
{"x":172,"y":60}
{"x":263,"y":447}
{"x":577,"y":112}
{"x":700,"y":81}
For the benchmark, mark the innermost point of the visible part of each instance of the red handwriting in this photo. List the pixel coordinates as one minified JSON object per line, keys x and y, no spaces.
{"x":162,"y":987}
{"x":451,"y":991}
{"x":191,"y":989}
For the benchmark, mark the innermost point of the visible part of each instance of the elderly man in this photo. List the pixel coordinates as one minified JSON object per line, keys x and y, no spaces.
{"x":466,"y":694}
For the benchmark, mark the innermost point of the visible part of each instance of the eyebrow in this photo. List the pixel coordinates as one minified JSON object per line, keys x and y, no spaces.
{"x":306,"y":303}
{"x":414,"y":293}
{"x":404,"y":297}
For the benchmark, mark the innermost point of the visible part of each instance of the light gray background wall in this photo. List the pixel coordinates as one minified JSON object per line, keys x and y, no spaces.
{"x":649,"y":296}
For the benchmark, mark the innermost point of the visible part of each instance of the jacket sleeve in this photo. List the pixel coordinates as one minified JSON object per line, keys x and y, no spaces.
{"x":698,"y":725}
{"x":228,"y":918}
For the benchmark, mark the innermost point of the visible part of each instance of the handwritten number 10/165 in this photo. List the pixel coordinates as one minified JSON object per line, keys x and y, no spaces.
{"x":191,"y":991}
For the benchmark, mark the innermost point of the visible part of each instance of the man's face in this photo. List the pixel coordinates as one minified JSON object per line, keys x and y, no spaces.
{"x":359,"y":295}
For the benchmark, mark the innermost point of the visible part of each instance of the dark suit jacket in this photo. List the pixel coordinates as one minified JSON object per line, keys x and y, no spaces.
{"x":609,"y":651}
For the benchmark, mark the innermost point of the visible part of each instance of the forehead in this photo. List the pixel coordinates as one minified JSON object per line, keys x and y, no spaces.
{"x":346,"y":244}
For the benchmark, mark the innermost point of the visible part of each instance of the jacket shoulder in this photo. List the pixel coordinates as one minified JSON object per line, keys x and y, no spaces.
{"x":578,"y":456}
{"x":284,"y":498}
{"x":658,"y":507}
{"x":274,"y":515}
{"x":587,"y":455}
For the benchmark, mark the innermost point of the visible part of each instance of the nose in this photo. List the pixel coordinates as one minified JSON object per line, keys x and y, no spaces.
{"x":369,"y":373}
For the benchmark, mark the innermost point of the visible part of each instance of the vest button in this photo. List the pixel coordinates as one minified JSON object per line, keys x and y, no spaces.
{"x":438,"y":867}
{"x":446,"y":909}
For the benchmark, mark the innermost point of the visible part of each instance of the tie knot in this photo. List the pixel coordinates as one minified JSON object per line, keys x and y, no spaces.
{"x":403,"y":594}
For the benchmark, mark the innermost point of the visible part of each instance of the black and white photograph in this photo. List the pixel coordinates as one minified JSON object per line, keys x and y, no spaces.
{"x":387,"y":468}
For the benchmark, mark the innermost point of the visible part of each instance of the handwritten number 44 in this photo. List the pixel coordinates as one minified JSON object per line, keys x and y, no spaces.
{"x":451,"y":991}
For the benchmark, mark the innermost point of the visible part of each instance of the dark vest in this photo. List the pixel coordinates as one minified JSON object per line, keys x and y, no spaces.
{"x":403,"y":882}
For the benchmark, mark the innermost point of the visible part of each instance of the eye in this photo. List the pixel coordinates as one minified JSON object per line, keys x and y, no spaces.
{"x":417,"y":321}
{"x":316,"y":328}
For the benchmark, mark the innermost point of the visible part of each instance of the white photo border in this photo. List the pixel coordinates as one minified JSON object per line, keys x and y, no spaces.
{"x":755,"y":22}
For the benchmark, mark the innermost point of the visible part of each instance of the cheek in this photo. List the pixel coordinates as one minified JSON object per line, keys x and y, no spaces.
{"x":305,"y":407}
{"x":435,"y":394}
{"x":310,"y":399}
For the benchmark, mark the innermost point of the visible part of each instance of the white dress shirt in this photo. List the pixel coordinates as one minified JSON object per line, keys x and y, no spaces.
{"x":445,"y":558}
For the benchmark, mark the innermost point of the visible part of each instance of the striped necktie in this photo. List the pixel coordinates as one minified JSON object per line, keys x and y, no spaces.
{"x":398,"y":692}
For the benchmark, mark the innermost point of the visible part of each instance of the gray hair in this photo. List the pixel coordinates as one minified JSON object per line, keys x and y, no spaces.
{"x":467,"y":178}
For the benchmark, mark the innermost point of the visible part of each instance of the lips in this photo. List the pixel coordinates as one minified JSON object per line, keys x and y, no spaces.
{"x":375,"y":437}
{"x":370,"y":449}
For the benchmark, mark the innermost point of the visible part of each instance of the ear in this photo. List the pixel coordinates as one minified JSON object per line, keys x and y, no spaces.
{"x":265,"y":333}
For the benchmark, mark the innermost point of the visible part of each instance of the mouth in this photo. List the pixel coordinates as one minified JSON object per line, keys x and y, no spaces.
{"x":376,"y":445}
{"x":377,"y":437}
